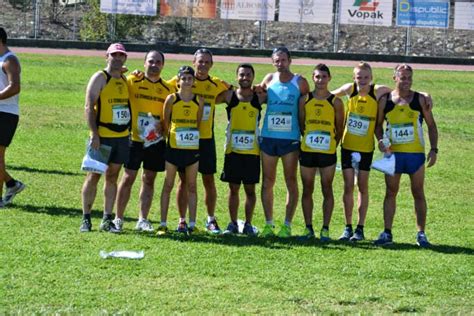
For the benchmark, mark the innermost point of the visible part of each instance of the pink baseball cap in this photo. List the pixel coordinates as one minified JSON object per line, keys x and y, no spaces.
{"x":116,"y":48}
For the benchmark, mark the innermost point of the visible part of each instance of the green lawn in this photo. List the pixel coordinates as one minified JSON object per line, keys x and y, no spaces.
{"x":48,"y":267}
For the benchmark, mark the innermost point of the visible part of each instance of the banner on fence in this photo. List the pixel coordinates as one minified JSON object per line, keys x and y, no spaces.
{"x":260,"y":10}
{"x":366,"y":12}
{"x":464,"y":15}
{"x":189,"y":8}
{"x":306,"y":11}
{"x":135,"y":7}
{"x":423,"y":13}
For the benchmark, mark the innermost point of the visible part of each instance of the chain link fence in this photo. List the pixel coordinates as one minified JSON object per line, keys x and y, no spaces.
{"x":78,"y":20}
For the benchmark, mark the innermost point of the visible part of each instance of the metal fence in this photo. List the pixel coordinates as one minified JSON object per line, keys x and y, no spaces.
{"x":67,"y":20}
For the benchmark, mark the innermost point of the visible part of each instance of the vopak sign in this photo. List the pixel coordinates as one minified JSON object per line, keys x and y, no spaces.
{"x":368,"y":12}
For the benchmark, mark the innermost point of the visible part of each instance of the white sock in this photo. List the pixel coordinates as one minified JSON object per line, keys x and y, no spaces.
{"x":163,"y":224}
{"x":192,"y":224}
{"x":210,"y":218}
{"x":270,"y":222}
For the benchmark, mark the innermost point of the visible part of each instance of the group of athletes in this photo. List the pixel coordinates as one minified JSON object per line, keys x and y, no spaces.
{"x":299,"y":125}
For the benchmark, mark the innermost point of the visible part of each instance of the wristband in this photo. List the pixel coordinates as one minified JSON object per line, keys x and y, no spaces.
{"x":435,"y":150}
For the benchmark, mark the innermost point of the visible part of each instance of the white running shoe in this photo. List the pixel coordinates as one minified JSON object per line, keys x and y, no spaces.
{"x":144,"y":225}
{"x":118,"y":222}
{"x":11,"y":192}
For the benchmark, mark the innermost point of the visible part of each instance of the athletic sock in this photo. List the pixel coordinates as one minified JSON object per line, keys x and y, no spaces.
{"x":310,"y":227}
{"x":211,"y":218}
{"x":192,"y":224}
{"x":163,"y":224}
{"x":87,"y":216}
{"x":107,"y":216}
{"x":287,"y":223}
{"x":360,"y":227}
{"x":270,"y":222}
{"x":11,"y":183}
{"x":388,"y":231}
{"x":326,"y":227}
{"x":349,"y":226}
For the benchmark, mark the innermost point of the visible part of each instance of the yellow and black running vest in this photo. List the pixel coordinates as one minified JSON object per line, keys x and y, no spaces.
{"x":146,"y":97}
{"x":184,"y":132}
{"x":113,"y":108}
{"x":404,"y":125}
{"x":242,"y":129}
{"x":361,"y":116}
{"x":320,"y":128}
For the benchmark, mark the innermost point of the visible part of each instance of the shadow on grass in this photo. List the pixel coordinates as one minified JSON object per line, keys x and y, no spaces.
{"x":36,"y":170}
{"x":62,"y":211}
{"x":244,"y":241}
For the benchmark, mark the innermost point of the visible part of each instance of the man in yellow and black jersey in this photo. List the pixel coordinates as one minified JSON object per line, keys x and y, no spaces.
{"x":147,"y":146}
{"x":108,"y":117}
{"x":321,"y":118}
{"x":404,"y":112}
{"x":242,"y":152}
{"x":209,"y":88}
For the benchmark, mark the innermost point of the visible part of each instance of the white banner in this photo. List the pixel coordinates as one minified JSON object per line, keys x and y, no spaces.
{"x":135,"y":7}
{"x":306,"y":11}
{"x":259,"y":10}
{"x":464,"y":15}
{"x":366,"y":12}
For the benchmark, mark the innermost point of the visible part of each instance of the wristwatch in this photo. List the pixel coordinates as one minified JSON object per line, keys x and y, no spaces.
{"x":435,"y":150}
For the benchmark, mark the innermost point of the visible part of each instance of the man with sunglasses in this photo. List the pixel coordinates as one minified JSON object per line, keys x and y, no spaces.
{"x":281,"y":137}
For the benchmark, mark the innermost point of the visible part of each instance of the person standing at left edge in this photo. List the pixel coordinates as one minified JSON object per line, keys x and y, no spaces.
{"x":9,"y":114}
{"x":107,"y":112}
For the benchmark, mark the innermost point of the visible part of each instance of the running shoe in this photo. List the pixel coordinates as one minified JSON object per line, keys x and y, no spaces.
{"x":384,"y":239}
{"x":193,"y":230}
{"x":162,"y":230}
{"x":285,"y":231}
{"x":308,"y":234}
{"x":11,"y":192}
{"x":324,"y":235}
{"x":346,"y":234}
{"x":144,"y":225}
{"x":358,"y":235}
{"x":107,"y":225}
{"x":422,"y":240}
{"x":212,"y":227}
{"x":86,"y":226}
{"x":268,"y":231}
{"x":249,"y":230}
{"x":118,"y":222}
{"x":182,"y":228}
{"x":231,"y":229}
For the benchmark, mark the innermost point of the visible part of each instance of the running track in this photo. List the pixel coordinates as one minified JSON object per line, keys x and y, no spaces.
{"x":257,"y":60}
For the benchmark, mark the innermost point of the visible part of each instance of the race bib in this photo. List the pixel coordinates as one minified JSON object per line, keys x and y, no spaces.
{"x":243,"y":140}
{"x":121,"y":114}
{"x":320,"y":140}
{"x":206,"y":113}
{"x":358,"y":124}
{"x":402,"y":133}
{"x":144,"y":120}
{"x":187,"y":138}
{"x":279,"y":122}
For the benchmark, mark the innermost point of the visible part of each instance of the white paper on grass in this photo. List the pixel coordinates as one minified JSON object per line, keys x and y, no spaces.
{"x":125,"y":254}
{"x":386,"y":164}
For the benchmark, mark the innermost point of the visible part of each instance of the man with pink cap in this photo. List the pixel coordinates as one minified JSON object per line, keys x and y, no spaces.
{"x":107,"y":109}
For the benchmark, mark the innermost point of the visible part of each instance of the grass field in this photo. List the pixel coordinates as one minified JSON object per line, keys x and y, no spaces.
{"x":48,"y":267}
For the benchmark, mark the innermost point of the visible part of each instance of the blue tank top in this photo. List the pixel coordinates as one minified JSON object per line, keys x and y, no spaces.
{"x":281,"y":116}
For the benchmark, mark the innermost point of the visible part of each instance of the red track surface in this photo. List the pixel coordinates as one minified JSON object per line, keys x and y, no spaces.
{"x":260,"y":60}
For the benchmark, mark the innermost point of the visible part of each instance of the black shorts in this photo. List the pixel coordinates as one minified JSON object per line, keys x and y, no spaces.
{"x":365,"y":159}
{"x":120,"y":149}
{"x":181,"y":158}
{"x":153,"y":157}
{"x":239,"y":168}
{"x":207,"y":156}
{"x":317,"y":160}
{"x":8,"y":125}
